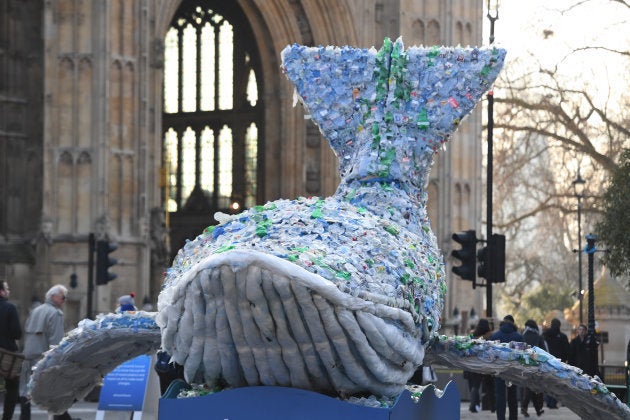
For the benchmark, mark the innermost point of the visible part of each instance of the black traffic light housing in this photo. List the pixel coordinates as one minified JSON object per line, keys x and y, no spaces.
{"x":482,"y":262}
{"x":104,"y":262}
{"x":467,"y":255}
{"x":498,"y":258}
{"x":491,"y":260}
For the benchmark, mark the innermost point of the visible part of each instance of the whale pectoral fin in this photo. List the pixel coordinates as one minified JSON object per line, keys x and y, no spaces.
{"x":531,"y":368}
{"x":70,"y":370}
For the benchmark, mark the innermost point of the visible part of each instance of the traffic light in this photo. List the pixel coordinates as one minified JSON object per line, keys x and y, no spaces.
{"x":482,"y":262}
{"x":498,"y":258}
{"x":467,"y":270}
{"x":104,"y":261}
{"x":491,"y":260}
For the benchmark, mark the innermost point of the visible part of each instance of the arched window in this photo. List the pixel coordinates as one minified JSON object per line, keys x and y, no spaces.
{"x":212,"y":115}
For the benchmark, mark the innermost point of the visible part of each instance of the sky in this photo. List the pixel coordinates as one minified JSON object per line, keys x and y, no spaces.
{"x":549,"y":29}
{"x":573,"y":22}
{"x":543,"y":34}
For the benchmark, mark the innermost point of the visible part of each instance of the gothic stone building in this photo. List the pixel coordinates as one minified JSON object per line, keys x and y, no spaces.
{"x":134,"y":121}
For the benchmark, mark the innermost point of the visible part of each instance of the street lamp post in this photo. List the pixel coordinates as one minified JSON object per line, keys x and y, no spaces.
{"x":578,"y":192}
{"x":591,"y":337}
{"x":493,"y":15}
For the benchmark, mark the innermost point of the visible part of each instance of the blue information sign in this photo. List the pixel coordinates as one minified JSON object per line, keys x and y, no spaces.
{"x":124,"y":387}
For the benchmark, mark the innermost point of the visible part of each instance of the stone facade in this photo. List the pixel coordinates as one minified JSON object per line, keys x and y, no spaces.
{"x":81,"y":132}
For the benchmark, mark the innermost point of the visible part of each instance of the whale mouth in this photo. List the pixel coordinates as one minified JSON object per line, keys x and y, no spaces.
{"x":262,"y":320}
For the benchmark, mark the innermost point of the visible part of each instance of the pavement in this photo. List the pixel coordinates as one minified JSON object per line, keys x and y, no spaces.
{"x":81,"y":410}
{"x":87,"y":411}
{"x":560,"y":413}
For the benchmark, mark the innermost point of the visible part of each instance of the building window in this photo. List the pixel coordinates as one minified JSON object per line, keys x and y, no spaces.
{"x":212,"y":115}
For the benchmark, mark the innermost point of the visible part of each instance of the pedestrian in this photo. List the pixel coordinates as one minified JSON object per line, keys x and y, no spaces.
{"x":558,"y":344}
{"x":488,"y":401}
{"x":533,"y":338}
{"x":10,"y":331}
{"x":167,"y":370}
{"x":482,"y":330}
{"x":126,"y":303}
{"x":419,"y":377}
{"x":43,"y":328}
{"x":507,"y":333}
{"x":583,"y":352}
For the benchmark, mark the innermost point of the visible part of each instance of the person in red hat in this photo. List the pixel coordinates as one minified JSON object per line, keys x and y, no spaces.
{"x":126,"y":303}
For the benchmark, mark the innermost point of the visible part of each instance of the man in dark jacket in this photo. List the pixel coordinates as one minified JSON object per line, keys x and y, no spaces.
{"x":533,"y":338}
{"x":10,"y":331}
{"x":507,"y":333}
{"x":475,"y":380}
{"x":583,"y":352}
{"x":558,"y":344}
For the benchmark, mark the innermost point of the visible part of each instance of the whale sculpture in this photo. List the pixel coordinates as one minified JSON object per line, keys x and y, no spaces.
{"x":340,"y":295}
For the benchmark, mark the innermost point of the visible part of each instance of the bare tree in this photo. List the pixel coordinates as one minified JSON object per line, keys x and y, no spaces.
{"x":551,"y":118}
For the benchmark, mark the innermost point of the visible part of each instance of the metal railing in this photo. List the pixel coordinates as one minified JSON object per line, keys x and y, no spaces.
{"x":616,"y":380}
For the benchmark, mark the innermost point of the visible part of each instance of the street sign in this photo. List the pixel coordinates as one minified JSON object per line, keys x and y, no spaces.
{"x":124,"y":388}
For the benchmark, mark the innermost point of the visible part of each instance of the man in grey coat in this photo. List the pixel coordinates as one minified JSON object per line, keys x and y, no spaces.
{"x":43,"y":328}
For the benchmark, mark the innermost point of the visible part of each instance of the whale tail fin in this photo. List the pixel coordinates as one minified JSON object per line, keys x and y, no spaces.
{"x":381,"y":109}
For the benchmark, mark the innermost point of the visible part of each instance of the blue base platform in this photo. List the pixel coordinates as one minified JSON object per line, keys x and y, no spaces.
{"x":273,"y":403}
